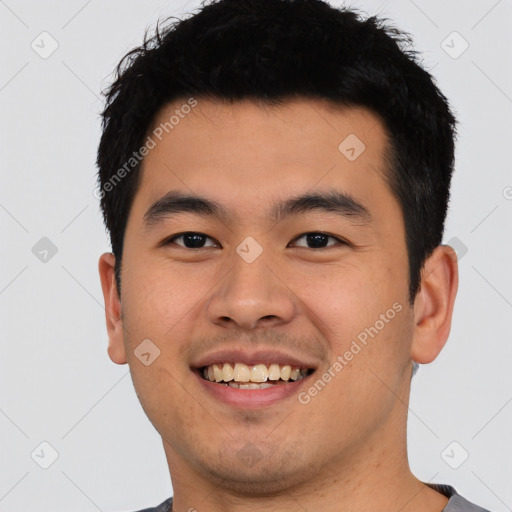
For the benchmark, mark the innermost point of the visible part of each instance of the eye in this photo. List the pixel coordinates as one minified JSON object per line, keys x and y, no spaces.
{"x":191,"y":240}
{"x":317,"y":240}
{"x":194,"y":240}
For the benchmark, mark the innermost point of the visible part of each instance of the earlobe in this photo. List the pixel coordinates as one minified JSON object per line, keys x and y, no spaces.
{"x":116,"y":349}
{"x":433,"y":306}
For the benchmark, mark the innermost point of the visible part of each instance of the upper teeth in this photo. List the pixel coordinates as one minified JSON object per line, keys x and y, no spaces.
{"x":240,"y":372}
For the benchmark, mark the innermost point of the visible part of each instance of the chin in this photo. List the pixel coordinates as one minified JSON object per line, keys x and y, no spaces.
{"x":249,"y":472}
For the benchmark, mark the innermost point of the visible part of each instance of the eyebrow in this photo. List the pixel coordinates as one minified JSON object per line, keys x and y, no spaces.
{"x":332,"y":201}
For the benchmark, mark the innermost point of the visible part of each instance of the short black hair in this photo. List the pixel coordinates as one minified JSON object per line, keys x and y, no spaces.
{"x":272,"y":51}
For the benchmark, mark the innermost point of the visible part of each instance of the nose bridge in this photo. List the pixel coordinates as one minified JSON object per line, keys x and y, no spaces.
{"x":250,"y":293}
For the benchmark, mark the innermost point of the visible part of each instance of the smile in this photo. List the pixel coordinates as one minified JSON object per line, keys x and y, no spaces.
{"x":257,"y":376}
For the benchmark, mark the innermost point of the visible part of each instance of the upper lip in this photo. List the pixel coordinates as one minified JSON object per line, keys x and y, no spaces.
{"x":266,"y":356}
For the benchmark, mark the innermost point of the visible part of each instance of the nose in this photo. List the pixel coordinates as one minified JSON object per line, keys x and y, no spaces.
{"x":251,"y":295}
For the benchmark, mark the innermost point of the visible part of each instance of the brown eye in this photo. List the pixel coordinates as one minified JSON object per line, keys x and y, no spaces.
{"x":317,"y":240}
{"x":191,"y":240}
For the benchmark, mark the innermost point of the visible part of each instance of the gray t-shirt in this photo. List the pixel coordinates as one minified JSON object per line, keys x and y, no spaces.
{"x":456,"y":503}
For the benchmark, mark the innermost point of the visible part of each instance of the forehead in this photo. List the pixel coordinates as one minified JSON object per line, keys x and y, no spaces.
{"x":295,"y":122}
{"x":247,"y":151}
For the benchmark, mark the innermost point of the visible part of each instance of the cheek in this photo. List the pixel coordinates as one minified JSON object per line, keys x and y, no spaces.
{"x":346,"y":296}
{"x":160,"y":298}
{"x":361,"y":311}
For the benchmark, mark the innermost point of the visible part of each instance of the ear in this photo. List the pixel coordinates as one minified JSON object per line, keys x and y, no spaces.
{"x":433,"y":306}
{"x":116,"y":349}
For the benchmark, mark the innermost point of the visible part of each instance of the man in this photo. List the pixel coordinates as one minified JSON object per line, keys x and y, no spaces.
{"x":275,"y":176}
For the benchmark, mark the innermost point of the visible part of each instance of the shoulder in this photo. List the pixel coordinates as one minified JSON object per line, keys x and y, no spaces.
{"x":456,"y":502}
{"x":165,"y":506}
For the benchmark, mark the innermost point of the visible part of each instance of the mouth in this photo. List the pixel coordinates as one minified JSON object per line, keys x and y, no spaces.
{"x":252,"y":379}
{"x":239,"y":375}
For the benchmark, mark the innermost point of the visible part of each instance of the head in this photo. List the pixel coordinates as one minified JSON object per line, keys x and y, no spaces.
{"x":266,"y":120}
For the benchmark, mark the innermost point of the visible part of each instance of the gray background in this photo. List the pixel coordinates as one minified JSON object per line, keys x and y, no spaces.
{"x":58,"y":385}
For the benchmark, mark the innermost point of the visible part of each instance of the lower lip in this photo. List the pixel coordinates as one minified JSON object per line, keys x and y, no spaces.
{"x":251,"y":398}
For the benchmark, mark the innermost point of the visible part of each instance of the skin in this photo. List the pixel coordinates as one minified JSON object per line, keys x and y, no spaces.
{"x":346,"y":448}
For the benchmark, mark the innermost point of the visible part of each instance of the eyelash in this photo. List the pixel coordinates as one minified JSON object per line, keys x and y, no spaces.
{"x":180,"y":235}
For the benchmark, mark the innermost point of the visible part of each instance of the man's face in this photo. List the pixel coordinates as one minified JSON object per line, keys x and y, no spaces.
{"x":339,"y":295}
